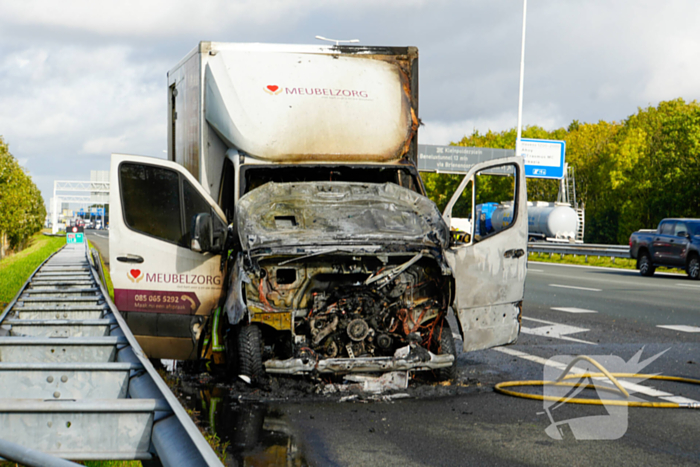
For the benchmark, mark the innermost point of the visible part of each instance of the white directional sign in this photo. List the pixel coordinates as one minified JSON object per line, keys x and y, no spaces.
{"x":544,"y":158}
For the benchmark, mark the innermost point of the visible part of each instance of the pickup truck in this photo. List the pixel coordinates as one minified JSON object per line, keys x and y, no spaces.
{"x":674,"y":244}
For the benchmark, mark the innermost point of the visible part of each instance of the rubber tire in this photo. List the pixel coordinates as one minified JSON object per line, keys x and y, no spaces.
{"x":694,"y":268}
{"x":231,"y":351}
{"x":646,"y":267}
{"x":446,"y":344}
{"x":250,"y":352}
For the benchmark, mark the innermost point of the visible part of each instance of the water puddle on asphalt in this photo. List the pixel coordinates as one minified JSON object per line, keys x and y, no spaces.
{"x":252,"y":434}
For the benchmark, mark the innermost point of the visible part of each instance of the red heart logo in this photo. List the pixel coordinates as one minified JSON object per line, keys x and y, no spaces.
{"x":135,"y":273}
{"x":273,"y":88}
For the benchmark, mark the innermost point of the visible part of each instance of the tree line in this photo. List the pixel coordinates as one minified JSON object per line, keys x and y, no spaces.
{"x":22,"y":210}
{"x":629,"y":174}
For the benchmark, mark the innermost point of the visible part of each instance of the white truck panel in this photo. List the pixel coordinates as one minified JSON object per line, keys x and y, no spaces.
{"x":290,"y":107}
{"x":291,"y":104}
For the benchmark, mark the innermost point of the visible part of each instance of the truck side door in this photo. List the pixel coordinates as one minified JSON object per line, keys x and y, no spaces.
{"x":490,"y":262}
{"x":679,"y":247}
{"x":662,"y":242}
{"x":165,"y":288}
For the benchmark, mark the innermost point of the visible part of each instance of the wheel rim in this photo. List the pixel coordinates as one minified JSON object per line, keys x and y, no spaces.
{"x":694,"y":270}
{"x":644,"y":264}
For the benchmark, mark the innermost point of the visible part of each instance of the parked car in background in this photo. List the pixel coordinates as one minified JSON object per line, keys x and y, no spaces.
{"x":674,"y":244}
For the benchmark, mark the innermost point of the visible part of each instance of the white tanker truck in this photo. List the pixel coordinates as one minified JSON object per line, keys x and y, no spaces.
{"x":554,"y":222}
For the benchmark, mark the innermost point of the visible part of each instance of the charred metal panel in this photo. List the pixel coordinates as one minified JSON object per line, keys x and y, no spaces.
{"x":235,"y":306}
{"x":337,"y":213}
{"x":490,"y":326}
{"x":490,"y":271}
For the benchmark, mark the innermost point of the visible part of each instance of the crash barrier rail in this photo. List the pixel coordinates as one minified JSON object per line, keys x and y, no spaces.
{"x":75,"y":384}
{"x":586,"y":250}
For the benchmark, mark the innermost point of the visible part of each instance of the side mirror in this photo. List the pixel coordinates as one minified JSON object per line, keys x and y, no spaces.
{"x":202,"y":233}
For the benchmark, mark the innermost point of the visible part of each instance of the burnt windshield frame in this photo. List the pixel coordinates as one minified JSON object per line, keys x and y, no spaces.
{"x":308,"y":170}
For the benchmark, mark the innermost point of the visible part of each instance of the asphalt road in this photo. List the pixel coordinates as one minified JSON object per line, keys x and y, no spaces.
{"x":662,"y":299}
{"x":100,"y":239}
{"x":476,"y":426}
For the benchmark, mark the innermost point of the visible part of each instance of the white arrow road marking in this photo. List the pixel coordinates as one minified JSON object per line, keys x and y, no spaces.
{"x":574,"y":310}
{"x":626,"y":384}
{"x":574,"y":287}
{"x":679,"y":327}
{"x":555,"y":330}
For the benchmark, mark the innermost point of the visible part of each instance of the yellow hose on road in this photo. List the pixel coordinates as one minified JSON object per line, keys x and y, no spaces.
{"x":604,"y":373}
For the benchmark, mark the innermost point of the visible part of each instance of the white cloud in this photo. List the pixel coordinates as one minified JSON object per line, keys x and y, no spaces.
{"x":80,"y":79}
{"x":446,"y":132}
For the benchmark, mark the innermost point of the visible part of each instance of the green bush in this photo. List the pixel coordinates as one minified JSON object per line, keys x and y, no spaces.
{"x":629,"y":174}
{"x":22,"y":210}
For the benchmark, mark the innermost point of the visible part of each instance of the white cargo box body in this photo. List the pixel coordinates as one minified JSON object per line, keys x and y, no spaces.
{"x":292,"y":104}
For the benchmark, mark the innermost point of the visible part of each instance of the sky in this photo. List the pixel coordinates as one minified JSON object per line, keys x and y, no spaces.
{"x":81,"y":79}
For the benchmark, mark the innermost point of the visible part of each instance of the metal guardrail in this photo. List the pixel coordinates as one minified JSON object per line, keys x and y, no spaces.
{"x":613,"y":251}
{"x":74,"y":383}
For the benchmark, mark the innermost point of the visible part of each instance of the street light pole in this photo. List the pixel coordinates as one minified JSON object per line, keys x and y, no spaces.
{"x":518,"y":148}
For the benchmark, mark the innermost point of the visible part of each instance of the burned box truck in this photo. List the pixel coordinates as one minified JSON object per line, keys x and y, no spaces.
{"x":289,"y":231}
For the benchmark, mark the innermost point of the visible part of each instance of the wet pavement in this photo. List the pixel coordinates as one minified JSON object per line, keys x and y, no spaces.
{"x":260,"y":426}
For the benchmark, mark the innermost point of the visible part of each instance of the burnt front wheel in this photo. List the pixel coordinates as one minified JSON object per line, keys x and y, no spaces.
{"x":694,"y":268}
{"x":646,"y":267}
{"x":444,"y":344}
{"x":250,"y":352}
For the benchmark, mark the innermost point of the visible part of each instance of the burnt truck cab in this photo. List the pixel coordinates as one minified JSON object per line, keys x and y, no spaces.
{"x":290,"y":230}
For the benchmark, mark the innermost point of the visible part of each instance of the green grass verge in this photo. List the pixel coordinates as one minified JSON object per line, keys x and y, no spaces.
{"x":16,"y":269}
{"x":108,"y":276}
{"x":600,"y":261}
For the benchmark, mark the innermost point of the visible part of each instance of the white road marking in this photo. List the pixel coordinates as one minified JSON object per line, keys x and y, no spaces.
{"x":574,"y":287}
{"x":539,"y":320}
{"x":534,"y":270}
{"x":638,"y":388}
{"x":688,"y":285}
{"x":557,"y":331}
{"x":679,"y":327}
{"x":628,"y":271}
{"x":573,"y":310}
{"x":100,"y":235}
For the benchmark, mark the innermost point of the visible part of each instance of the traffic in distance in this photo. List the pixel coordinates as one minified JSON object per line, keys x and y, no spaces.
{"x":674,"y":244}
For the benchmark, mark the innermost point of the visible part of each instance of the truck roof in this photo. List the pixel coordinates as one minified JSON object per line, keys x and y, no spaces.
{"x":298,"y":103}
